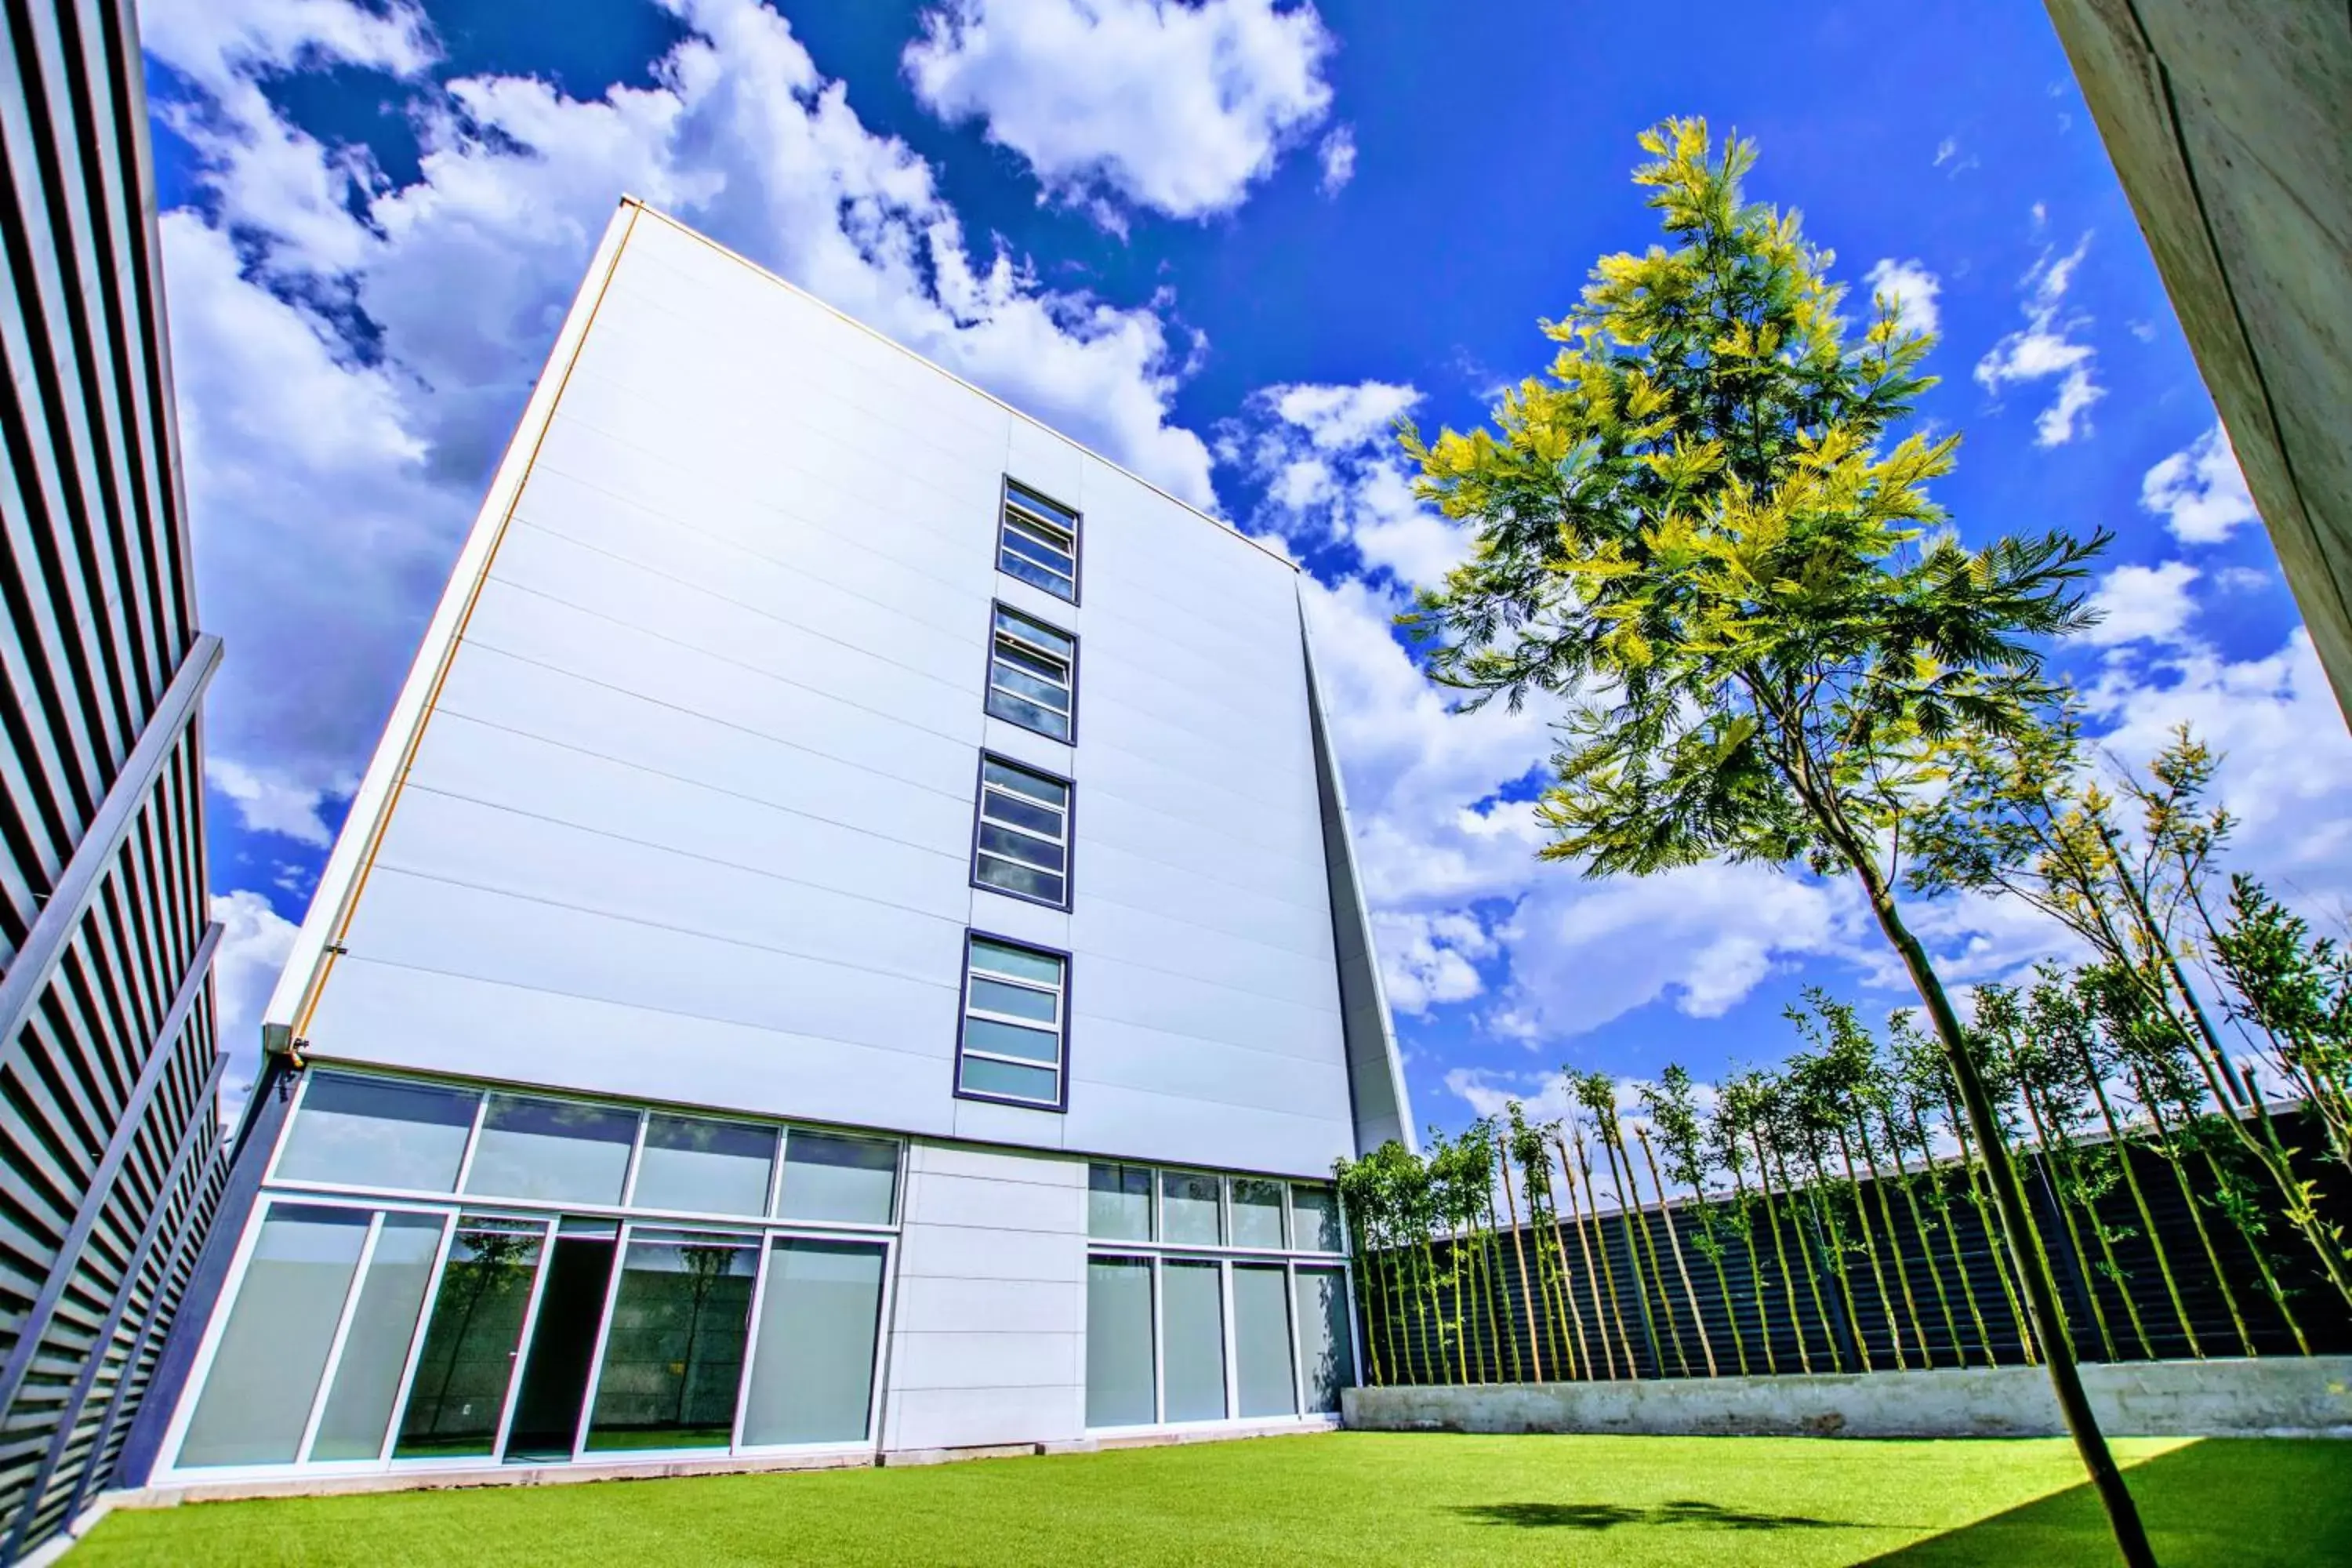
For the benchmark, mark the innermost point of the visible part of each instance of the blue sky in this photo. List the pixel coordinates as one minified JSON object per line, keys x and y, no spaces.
{"x":1224,"y":242}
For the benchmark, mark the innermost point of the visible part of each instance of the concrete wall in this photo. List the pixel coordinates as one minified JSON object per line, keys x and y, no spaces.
{"x":2287,"y":1394}
{"x":988,"y":1329}
{"x":691,"y":812}
{"x":2226,"y":121}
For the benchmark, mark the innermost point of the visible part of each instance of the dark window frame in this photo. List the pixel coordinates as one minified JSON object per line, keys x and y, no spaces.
{"x":988,"y":672}
{"x":1069,"y":832}
{"x":1061,"y":1105}
{"x":1005,"y":487}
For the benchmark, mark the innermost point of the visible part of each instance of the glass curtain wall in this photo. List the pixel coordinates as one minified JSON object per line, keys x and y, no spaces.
{"x":1212,"y":1297}
{"x":365,"y":1330}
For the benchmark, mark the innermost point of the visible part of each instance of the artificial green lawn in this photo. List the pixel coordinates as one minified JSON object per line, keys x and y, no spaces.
{"x":1350,"y":1498}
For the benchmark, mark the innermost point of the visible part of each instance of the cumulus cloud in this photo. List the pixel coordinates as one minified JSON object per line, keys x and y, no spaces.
{"x":1912,"y":288}
{"x":254,"y":945}
{"x":1428,"y":958}
{"x":2200,"y":491}
{"x":2138,"y":604}
{"x":352,"y":354}
{"x":2047,"y":349}
{"x":1173,"y":107}
{"x":1333,"y":476}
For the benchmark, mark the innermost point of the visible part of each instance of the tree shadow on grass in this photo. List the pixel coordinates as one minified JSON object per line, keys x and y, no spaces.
{"x":2234,"y":1501}
{"x":1610,"y":1515}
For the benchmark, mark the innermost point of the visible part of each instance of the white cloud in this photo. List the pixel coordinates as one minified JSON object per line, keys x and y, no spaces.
{"x":1430,"y":958}
{"x":1179,"y":108}
{"x":1334,"y":475}
{"x":1337,"y":155}
{"x":254,"y":941}
{"x":1947,"y":150}
{"x":1912,"y":288}
{"x":330,"y":471}
{"x":2242,"y":579}
{"x":2199,"y":491}
{"x":2045,"y":348}
{"x":2142,"y":604}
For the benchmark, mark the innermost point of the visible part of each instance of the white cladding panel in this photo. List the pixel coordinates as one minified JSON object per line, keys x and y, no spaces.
{"x":691,"y":817}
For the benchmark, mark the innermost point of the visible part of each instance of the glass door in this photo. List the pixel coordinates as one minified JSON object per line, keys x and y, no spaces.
{"x":458,"y":1394}
{"x":554,"y":1389}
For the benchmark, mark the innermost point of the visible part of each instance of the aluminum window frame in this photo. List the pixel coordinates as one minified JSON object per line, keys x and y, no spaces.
{"x":998,"y":607}
{"x":1061,"y":1104}
{"x":1006,"y":506}
{"x":1069,"y":845}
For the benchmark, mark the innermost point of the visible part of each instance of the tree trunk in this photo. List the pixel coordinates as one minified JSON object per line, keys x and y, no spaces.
{"x":2196,"y":1211}
{"x":1690,"y":1297}
{"x":1841,"y":1269}
{"x":1942,"y":1205}
{"x":1607,"y":1269}
{"x":1526,"y":1299}
{"x":2139,"y":1199}
{"x":2009,"y":1192}
{"x":1997,"y":1238}
{"x":1895,"y":1244}
{"x":1780,"y":1247}
{"x":1592,"y":1279}
{"x":1639,"y":1246}
{"x":1870,"y":1250}
{"x":1756,"y":1273}
{"x":2052,"y":1151}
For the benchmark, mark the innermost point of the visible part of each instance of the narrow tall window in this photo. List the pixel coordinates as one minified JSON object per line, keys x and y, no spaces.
{"x":1022,"y":847}
{"x":1038,"y":542}
{"x":1033,"y":675}
{"x":1015,"y":1022}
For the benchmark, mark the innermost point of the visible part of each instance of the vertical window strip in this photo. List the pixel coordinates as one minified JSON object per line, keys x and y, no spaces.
{"x":1014,"y":1023}
{"x":1032,"y":674}
{"x":1022,"y":843}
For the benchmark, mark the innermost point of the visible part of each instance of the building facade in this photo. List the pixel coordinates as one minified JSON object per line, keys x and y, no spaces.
{"x":110,"y":1157}
{"x":848,"y":944}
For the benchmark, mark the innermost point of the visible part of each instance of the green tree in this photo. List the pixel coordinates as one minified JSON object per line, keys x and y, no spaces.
{"x":1691,"y":534}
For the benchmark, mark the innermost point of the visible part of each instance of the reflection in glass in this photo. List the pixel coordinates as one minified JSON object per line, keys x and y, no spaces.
{"x":273,"y":1351}
{"x":1258,"y":1212}
{"x":552,"y":1149}
{"x":1315,"y":1218}
{"x":673,"y":1351}
{"x":1326,"y":1356}
{"x":1118,"y":1341}
{"x":460,"y":1387}
{"x":709,"y":1167}
{"x":375,"y":1348}
{"x":1118,"y":1203}
{"x":830,"y":1177}
{"x":375,"y":1133}
{"x":1192,"y":1312}
{"x":1261,"y":1368}
{"x":812,"y":1373}
{"x":1187,"y":1208}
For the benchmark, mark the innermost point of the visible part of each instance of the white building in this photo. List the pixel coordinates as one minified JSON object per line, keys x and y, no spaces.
{"x":849,"y":942}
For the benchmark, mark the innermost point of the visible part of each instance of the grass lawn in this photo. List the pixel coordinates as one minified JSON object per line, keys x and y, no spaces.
{"x":1346,"y":1498}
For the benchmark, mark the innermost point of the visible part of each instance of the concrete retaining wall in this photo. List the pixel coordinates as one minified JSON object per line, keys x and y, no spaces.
{"x":2308,"y":1397}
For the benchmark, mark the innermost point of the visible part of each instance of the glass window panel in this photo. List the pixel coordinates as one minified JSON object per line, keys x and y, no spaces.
{"x":1011,"y":877}
{"x":1019,"y":963}
{"x":1119,"y":1202}
{"x":1044,"y":791}
{"x":1258,"y":1212}
{"x":460,"y":1387}
{"x":552,"y":1149}
{"x":1016,"y":811}
{"x":265,"y":1374}
{"x":1053,"y":641}
{"x":1022,"y":495}
{"x":1193,"y":1315}
{"x":1011,"y":1040}
{"x":1022,"y":847}
{"x":1315,"y":1218}
{"x":358,"y":1415}
{"x":1325,"y":1354}
{"x":1118,"y":1341}
{"x":1033,"y":676}
{"x":1033,"y":541}
{"x":695,"y":1163}
{"x":983,"y":1077}
{"x":375,"y":1133}
{"x":674,"y":1348}
{"x":1261,"y":1369}
{"x":1029,"y":715}
{"x":1012,"y":565}
{"x":827,"y":1176}
{"x":1017,"y":1000}
{"x":812,"y":1373}
{"x":1187,"y":1208}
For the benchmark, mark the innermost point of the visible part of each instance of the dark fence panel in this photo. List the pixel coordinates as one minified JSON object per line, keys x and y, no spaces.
{"x":1799,"y":1290}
